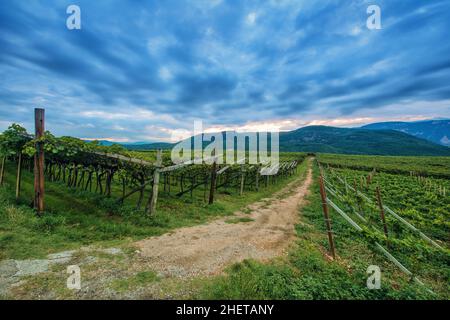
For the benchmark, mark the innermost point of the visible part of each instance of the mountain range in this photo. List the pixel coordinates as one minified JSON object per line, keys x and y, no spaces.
{"x":422,"y":138}
{"x":437,"y":131}
{"x":358,"y":141}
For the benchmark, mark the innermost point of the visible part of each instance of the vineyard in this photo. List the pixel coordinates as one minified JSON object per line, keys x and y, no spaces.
{"x":405,"y":216}
{"x":363,"y":210}
{"x":436,"y":167}
{"x":94,"y":168}
{"x":95,"y":193}
{"x":402,"y":229}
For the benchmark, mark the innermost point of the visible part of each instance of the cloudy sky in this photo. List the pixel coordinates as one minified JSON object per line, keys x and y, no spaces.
{"x":145,"y":70}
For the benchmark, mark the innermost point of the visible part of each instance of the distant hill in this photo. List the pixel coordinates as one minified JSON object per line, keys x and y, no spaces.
{"x":437,"y":131}
{"x":350,"y":141}
{"x":371,"y":141}
{"x":135,"y":145}
{"x":104,"y":143}
{"x":358,"y":141}
{"x":149,"y":146}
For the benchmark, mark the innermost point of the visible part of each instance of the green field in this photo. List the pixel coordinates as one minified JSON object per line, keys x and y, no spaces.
{"x":426,"y":166}
{"x":413,"y":187}
{"x":309,"y":274}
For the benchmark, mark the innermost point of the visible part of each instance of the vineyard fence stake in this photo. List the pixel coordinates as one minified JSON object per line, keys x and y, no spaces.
{"x":19,"y":176}
{"x":39,"y":184}
{"x":383,"y":217}
{"x":151,"y":206}
{"x":323,"y":194}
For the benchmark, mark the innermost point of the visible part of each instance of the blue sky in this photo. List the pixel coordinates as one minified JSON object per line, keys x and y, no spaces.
{"x":145,"y":70}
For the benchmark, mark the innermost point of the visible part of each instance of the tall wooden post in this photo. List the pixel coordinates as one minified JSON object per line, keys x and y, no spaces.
{"x":2,"y":170}
{"x":241,"y":190}
{"x":151,"y":206}
{"x":323,"y":194}
{"x":205,"y":187}
{"x":19,"y":176}
{"x":213,"y":180}
{"x":39,"y":187}
{"x":383,"y":218}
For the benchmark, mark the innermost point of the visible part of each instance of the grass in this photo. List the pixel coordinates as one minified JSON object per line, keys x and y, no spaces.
{"x":76,"y":218}
{"x":141,"y":279}
{"x":309,"y":273}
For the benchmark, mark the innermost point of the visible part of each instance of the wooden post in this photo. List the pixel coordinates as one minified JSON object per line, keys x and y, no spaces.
{"x":205,"y":186}
{"x":241,"y":190}
{"x":258,"y":170}
{"x":151,"y":206}
{"x":39,"y":187}
{"x":383,"y":218}
{"x":213,"y":180}
{"x":168,"y":182}
{"x":323,"y":194}
{"x":2,"y":170}
{"x":19,"y":176}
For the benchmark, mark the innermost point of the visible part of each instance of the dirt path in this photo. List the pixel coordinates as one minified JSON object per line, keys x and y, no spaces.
{"x":262,"y":231}
{"x":207,"y":249}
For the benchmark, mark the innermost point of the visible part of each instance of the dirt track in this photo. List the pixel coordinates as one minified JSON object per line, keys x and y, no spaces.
{"x":208,"y":249}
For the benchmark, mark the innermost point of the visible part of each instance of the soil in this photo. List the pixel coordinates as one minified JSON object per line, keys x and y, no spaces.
{"x":207,"y":249}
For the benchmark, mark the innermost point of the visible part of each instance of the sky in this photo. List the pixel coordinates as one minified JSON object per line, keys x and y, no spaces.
{"x":146,"y":70}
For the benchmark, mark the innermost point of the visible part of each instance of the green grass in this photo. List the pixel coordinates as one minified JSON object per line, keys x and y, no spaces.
{"x":308,"y":273}
{"x":76,"y":218}
{"x":141,"y":279}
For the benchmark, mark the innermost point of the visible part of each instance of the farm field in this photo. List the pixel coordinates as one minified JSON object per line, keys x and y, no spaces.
{"x":416,"y":209}
{"x":108,"y":198}
{"x":77,"y":219}
{"x":225,"y":159}
{"x":91,"y":211}
{"x":308,"y":273}
{"x":425,"y":166}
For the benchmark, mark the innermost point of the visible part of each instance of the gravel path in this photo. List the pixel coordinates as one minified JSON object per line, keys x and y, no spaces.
{"x":207,"y":249}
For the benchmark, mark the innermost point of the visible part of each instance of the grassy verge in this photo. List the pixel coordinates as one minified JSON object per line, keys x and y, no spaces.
{"x":308,"y":273}
{"x":76,"y":218}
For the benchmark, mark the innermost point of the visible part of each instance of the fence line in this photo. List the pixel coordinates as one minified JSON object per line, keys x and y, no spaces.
{"x":379,"y":246}
{"x":395,"y":215}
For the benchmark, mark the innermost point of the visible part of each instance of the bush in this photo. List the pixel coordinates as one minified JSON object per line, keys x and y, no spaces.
{"x":49,"y":222}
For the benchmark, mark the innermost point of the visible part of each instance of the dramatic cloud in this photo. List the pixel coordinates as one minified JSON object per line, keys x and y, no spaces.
{"x":144,"y":70}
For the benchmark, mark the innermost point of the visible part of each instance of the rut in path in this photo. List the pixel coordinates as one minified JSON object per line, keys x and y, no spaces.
{"x":207,"y":249}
